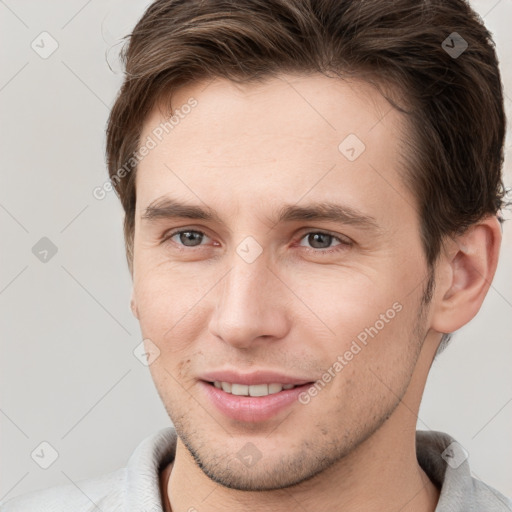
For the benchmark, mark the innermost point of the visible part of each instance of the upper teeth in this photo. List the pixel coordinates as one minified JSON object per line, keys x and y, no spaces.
{"x":254,"y":390}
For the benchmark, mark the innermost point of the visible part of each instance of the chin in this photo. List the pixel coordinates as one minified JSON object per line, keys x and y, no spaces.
{"x":244,"y":467}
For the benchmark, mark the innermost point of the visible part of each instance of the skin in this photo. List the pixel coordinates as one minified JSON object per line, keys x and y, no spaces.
{"x":245,"y":151}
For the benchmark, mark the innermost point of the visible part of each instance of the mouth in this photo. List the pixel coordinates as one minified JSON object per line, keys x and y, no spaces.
{"x":252,"y":390}
{"x":255,"y":402}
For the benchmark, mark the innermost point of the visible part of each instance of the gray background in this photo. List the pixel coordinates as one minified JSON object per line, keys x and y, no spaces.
{"x":68,"y":374}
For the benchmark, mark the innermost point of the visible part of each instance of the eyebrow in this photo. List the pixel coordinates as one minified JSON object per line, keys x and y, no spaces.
{"x":168,"y":208}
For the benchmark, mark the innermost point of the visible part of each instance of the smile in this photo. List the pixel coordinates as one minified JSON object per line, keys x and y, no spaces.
{"x":253,"y":390}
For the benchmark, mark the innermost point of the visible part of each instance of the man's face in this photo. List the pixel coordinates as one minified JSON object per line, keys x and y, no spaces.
{"x":246,"y":293}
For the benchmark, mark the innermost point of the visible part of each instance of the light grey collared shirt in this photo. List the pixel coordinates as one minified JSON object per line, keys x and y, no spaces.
{"x":136,"y":487}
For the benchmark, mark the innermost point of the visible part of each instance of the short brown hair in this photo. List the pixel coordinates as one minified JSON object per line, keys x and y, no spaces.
{"x":454,"y":103}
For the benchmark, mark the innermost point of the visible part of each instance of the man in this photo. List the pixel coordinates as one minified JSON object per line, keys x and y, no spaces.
{"x":311,"y":194}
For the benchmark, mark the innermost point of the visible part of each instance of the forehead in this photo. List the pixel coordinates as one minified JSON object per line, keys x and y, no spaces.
{"x":281,"y":139}
{"x":318,"y":103}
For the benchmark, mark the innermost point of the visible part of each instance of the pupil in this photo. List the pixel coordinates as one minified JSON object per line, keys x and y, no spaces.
{"x":314,"y":237}
{"x":188,"y":236}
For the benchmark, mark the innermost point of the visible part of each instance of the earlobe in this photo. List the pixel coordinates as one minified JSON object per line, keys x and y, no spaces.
{"x":469,"y":271}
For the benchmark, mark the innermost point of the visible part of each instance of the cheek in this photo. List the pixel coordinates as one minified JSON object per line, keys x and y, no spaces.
{"x":171,"y":304}
{"x":346,"y":302}
{"x":367,"y":327}
{"x":369,"y":371}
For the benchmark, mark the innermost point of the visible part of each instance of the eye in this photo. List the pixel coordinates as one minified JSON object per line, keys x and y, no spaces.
{"x":187,"y":237}
{"x":320,"y":241}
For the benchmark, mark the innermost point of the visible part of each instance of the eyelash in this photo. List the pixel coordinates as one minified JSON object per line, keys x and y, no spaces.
{"x":343,"y":244}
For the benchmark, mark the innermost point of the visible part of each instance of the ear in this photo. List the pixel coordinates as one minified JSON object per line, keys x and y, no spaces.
{"x":133,"y":305}
{"x":465,"y":271}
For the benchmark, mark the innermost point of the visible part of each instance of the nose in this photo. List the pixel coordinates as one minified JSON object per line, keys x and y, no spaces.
{"x":250,"y":305}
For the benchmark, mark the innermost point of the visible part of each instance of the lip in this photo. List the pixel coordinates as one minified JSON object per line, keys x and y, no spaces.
{"x":253,"y":378}
{"x":253,"y":409}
